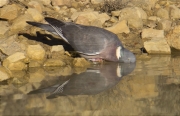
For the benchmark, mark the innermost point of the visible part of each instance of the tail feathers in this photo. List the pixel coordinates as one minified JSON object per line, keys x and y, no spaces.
{"x":46,"y":27}
{"x":55,"y":22}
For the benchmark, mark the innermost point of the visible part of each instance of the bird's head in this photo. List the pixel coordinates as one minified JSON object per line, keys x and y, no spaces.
{"x":125,"y":55}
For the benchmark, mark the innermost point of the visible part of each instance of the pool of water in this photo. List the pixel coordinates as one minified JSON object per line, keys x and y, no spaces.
{"x":150,"y":87}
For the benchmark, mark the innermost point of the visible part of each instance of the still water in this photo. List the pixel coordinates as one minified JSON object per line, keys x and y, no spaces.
{"x":149,"y":87}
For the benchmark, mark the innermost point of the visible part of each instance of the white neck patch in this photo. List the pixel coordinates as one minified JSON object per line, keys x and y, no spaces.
{"x":118,"y":71}
{"x":118,"y":52}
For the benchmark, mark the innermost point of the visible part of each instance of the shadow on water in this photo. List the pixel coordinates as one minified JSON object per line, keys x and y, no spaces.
{"x":152,"y":88}
{"x":94,"y":80}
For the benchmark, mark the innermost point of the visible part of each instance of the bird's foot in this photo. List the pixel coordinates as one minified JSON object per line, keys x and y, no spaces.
{"x":96,"y":60}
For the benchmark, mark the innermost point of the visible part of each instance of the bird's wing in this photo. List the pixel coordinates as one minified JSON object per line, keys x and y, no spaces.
{"x":87,"y":40}
{"x":46,"y":27}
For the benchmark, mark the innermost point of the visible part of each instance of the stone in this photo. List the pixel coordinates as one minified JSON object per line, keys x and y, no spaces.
{"x":174,"y":12}
{"x":157,"y":46}
{"x":80,"y":62}
{"x":152,"y":33}
{"x":45,"y":2}
{"x":115,"y":13}
{"x":15,"y":61}
{"x":154,"y":18}
{"x":36,"y":15}
{"x":4,"y":74}
{"x":9,"y":9}
{"x":3,"y":2}
{"x":97,"y":1}
{"x":33,"y":63}
{"x":134,"y":16}
{"x":37,"y":76}
{"x":9,"y":46}
{"x":147,"y":5}
{"x":4,"y":28}
{"x":113,"y":19}
{"x":103,"y":17}
{"x":61,"y":2}
{"x":82,"y":20}
{"x":120,"y":27}
{"x":57,"y":48}
{"x":162,"y":13}
{"x":35,"y":4}
{"x":35,"y":52}
{"x":20,"y":24}
{"x":164,"y":24}
{"x":173,"y":37}
{"x":84,"y":17}
{"x":54,"y":62}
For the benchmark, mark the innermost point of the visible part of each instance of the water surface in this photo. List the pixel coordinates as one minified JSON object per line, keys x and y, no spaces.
{"x":152,"y":88}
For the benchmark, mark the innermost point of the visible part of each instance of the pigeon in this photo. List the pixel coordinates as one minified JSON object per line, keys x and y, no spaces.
{"x":95,"y":79}
{"x":92,"y":43}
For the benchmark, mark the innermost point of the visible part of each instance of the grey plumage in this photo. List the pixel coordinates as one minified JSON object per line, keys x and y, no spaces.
{"x":91,"y":42}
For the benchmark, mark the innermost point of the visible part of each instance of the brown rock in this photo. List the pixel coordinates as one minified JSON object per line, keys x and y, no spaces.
{"x":35,"y":52}
{"x":9,"y":46}
{"x":173,"y":37}
{"x":54,"y":62}
{"x":9,"y":12}
{"x":4,"y":74}
{"x":15,"y":61}
{"x":20,"y":24}
{"x":80,"y":62}
{"x":120,"y":27}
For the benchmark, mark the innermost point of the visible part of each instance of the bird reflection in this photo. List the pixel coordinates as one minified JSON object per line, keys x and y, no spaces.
{"x":94,"y":80}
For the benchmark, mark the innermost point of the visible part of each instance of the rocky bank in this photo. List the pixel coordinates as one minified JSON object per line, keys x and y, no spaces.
{"x":150,"y":26}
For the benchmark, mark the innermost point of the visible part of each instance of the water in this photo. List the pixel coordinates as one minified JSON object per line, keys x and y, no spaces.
{"x":152,"y":88}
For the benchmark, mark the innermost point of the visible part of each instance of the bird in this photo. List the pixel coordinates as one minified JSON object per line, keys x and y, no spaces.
{"x":95,"y":79}
{"x":92,"y":43}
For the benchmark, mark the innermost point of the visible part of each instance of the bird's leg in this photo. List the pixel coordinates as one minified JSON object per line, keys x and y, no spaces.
{"x":96,"y":60}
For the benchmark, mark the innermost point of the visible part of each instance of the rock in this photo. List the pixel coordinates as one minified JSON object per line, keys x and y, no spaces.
{"x":9,"y":9}
{"x":162,"y":13}
{"x":35,"y":4}
{"x":103,"y":17}
{"x":80,"y":62}
{"x":15,"y":61}
{"x":36,"y":63}
{"x":145,"y":4}
{"x":134,"y":16}
{"x":54,"y":62}
{"x":57,"y":48}
{"x":45,"y":2}
{"x":173,"y":37}
{"x":61,"y":2}
{"x":9,"y":46}
{"x":3,"y":2}
{"x":35,"y":52}
{"x":84,"y":17}
{"x":113,"y":19}
{"x":4,"y":74}
{"x":37,"y":76}
{"x":36,"y":15}
{"x":83,"y":20}
{"x":152,"y":33}
{"x":164,"y":24}
{"x":115,"y":13}
{"x":174,"y":12}
{"x":154,"y":18}
{"x":157,"y":46}
{"x":97,"y":1}
{"x":155,"y":42}
{"x":120,"y":27}
{"x":4,"y":28}
{"x":20,"y":24}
